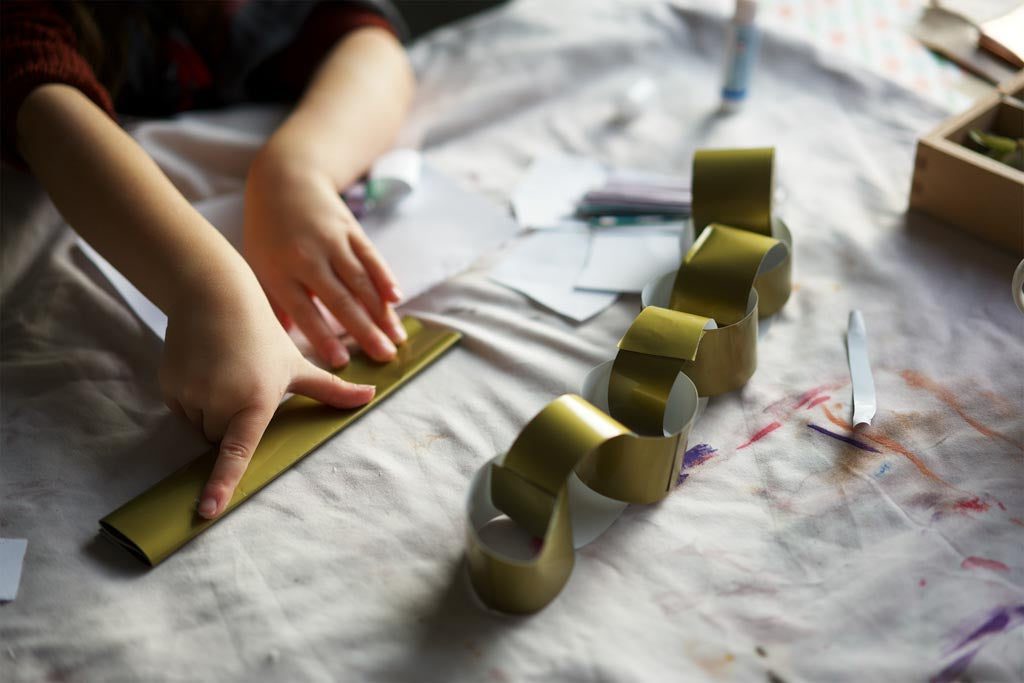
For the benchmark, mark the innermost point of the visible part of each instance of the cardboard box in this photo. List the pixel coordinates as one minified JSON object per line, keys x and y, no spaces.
{"x":966,"y":188}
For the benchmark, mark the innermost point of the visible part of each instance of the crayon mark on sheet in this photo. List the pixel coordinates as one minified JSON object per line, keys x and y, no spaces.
{"x":871,"y":435}
{"x":974,"y":562}
{"x":947,"y":396}
{"x":760,"y":434}
{"x":845,"y":439}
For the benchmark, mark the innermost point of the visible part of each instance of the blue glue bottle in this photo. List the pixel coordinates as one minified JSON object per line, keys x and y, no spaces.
{"x":742,"y":40}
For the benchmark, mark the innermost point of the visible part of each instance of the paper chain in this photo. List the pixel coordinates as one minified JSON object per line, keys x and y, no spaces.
{"x":577,"y":465}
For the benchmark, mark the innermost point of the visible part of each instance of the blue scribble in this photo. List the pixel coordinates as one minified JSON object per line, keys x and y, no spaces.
{"x":698,"y":455}
{"x":883,"y":469}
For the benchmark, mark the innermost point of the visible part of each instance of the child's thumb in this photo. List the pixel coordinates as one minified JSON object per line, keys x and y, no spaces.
{"x":322,"y":386}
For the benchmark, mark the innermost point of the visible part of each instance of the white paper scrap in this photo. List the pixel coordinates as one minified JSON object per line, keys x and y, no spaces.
{"x":860,"y":370}
{"x":625,"y":259}
{"x":12,"y":556}
{"x":546,"y":197}
{"x":544,"y":266}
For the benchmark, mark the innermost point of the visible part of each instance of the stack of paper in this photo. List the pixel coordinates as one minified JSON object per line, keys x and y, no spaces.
{"x":578,"y":268}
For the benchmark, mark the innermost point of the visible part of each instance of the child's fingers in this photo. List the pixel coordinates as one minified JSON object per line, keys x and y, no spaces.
{"x":282,"y":315}
{"x":322,"y":386}
{"x":351,"y":272}
{"x":241,"y":437}
{"x":353,"y":316}
{"x":313,"y":325}
{"x":375,"y":266}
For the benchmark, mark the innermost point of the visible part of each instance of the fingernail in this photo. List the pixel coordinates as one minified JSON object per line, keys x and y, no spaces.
{"x":398,"y":332}
{"x":387,"y":347}
{"x":208,"y":507}
{"x":396,"y":294}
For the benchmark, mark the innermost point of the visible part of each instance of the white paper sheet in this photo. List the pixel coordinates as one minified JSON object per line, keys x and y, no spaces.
{"x":625,"y":259}
{"x":434,"y":234}
{"x":12,"y":555}
{"x":544,"y":266}
{"x":546,"y":197}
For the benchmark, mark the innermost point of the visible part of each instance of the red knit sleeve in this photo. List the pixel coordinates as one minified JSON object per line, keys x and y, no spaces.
{"x":284,"y":76}
{"x":38,"y":46}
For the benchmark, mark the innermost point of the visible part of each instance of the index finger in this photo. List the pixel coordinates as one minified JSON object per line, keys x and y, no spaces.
{"x":241,"y":437}
{"x":375,"y":265}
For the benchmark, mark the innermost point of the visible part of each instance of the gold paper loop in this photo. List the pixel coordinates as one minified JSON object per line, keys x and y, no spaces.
{"x":569,"y":440}
{"x":578,"y":461}
{"x":734,"y":187}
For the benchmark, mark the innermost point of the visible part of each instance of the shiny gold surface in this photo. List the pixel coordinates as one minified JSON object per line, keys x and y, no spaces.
{"x":702,"y":340}
{"x":161,"y":520}
{"x":733,"y":187}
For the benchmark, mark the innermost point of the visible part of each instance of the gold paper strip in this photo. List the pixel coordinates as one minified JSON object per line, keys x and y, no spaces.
{"x":572,"y":468}
{"x":161,"y":520}
{"x":734,"y":187}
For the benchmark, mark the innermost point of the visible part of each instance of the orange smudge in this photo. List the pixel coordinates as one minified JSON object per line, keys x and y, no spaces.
{"x":888,"y":443}
{"x":919,"y":381}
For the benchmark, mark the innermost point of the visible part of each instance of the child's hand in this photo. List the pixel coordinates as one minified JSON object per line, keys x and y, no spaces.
{"x":227,"y":363}
{"x":301,"y":240}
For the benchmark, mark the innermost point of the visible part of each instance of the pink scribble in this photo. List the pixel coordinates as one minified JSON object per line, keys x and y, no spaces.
{"x":761,"y":434}
{"x":810,"y":394}
{"x":974,"y":562}
{"x":818,"y":401}
{"x":971,"y":505}
{"x":922,"y":583}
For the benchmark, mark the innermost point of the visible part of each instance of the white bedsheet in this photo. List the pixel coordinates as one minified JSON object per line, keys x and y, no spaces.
{"x":794,"y":557}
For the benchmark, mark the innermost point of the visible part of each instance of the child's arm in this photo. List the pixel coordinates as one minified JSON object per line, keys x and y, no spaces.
{"x":300,"y":238}
{"x":226,"y":362}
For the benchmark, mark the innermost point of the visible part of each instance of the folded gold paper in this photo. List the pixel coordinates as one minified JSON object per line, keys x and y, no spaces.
{"x":161,"y":520}
{"x":577,"y":464}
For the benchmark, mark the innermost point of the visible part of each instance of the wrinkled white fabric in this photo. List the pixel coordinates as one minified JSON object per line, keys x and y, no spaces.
{"x":797,"y":556}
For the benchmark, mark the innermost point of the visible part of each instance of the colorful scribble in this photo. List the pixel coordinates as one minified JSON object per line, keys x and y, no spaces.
{"x":974,"y":562}
{"x":698,"y":455}
{"x":954,"y":669}
{"x":872,"y":435}
{"x":845,"y":439}
{"x":947,"y":396}
{"x":783,"y":408}
{"x":883,"y":470}
{"x":818,"y":401}
{"x":996,"y":623}
{"x":971,"y":505}
{"x":760,"y":434}
{"x":1002,"y":620}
